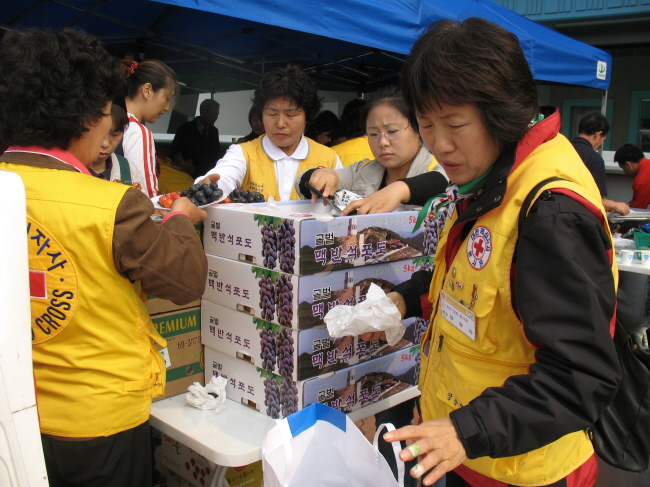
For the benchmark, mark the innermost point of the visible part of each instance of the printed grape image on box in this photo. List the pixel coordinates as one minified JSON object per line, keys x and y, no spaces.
{"x":347,"y":389}
{"x":302,"y":238}
{"x":290,"y":353}
{"x":299,"y":302}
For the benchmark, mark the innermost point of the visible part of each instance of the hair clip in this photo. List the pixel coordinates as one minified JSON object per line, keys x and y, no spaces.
{"x":133,"y":66}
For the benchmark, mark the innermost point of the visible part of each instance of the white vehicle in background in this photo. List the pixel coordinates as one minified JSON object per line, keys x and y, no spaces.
{"x":21,"y":452}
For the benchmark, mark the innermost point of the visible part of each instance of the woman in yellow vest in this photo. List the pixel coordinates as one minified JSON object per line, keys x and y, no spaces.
{"x":518,"y":360}
{"x":93,"y":248}
{"x":396,"y":148}
{"x":288,"y":100}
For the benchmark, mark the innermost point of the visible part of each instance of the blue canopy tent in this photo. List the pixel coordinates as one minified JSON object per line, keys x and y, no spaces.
{"x":221,"y":45}
{"x":395,"y":25}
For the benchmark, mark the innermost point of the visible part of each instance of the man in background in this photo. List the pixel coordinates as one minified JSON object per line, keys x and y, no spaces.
{"x":634,"y":163}
{"x":593,"y":130}
{"x":202,"y":137}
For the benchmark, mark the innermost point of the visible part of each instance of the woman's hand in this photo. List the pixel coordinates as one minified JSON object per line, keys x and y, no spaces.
{"x":326,"y":181}
{"x":375,"y":336}
{"x":382,"y":201}
{"x":439,"y":440}
{"x":196,"y":214}
{"x":212,"y":178}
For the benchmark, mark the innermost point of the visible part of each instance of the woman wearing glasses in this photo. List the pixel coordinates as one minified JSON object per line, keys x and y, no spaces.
{"x":395,"y":144}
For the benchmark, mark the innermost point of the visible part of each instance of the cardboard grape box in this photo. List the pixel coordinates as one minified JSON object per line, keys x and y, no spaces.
{"x":182,"y":330}
{"x":299,"y":302}
{"x":192,"y":469}
{"x":347,"y":389}
{"x":157,"y":306}
{"x":294,"y":354}
{"x":302,"y":238}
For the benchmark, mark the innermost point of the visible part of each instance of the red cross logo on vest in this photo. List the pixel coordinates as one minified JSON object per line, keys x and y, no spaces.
{"x":479,"y":247}
{"x":37,"y":285}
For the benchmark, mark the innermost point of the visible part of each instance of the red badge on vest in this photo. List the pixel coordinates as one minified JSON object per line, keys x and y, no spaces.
{"x":479,"y":247}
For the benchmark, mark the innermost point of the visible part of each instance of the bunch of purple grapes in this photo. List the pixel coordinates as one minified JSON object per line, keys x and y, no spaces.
{"x":287,"y":243}
{"x":267,"y":298}
{"x":288,"y":397}
{"x":285,"y":350}
{"x":420,"y":328}
{"x":268,"y":354}
{"x":269,"y":245}
{"x":284,"y":300}
{"x":272,"y":397}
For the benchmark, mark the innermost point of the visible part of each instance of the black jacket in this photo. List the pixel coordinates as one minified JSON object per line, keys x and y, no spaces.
{"x":205,"y":153}
{"x":565,"y":295}
{"x":594,"y":162}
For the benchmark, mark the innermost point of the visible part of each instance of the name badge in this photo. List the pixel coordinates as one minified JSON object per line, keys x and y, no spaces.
{"x":165,"y":353}
{"x":458,"y":315}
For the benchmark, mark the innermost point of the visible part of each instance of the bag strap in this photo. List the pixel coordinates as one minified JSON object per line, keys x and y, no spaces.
{"x":396,"y":449}
{"x":125,"y":170}
{"x":525,"y":206}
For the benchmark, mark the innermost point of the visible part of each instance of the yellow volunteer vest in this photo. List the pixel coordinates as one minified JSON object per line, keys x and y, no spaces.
{"x":457,"y":369}
{"x":95,"y":365}
{"x":260,"y":171}
{"x":353,"y":150}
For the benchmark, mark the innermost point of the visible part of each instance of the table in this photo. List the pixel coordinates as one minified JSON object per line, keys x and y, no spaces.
{"x":636,"y":267}
{"x":234,"y":437}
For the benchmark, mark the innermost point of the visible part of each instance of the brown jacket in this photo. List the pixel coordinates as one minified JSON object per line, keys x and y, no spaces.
{"x":167,"y":258}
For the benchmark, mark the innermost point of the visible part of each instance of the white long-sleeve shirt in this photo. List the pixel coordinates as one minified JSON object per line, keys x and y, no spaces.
{"x":232,"y":166}
{"x":139,"y":149}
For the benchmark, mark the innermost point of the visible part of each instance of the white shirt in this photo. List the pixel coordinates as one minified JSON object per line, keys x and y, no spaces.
{"x":139,"y":149}
{"x":232,"y":166}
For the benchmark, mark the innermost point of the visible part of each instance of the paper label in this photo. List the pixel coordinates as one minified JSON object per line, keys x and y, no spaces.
{"x":458,"y":315}
{"x":165,"y":353}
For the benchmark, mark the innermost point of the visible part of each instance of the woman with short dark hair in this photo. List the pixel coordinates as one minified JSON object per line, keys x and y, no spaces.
{"x":396,"y":148}
{"x":518,"y":360}
{"x":288,"y":100}
{"x":95,"y":248}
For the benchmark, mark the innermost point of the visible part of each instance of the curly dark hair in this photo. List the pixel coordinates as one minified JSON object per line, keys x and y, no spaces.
{"x":472,"y":62}
{"x":53,"y":85}
{"x":292,"y":83}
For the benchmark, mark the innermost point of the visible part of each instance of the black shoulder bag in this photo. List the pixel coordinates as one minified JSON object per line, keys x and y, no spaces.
{"x":621,"y":436}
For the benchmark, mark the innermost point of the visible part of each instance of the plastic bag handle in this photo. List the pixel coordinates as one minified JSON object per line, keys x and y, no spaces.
{"x":397,"y":447}
{"x":285,"y":434}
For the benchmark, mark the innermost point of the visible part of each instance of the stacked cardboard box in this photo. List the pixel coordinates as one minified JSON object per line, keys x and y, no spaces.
{"x":274,"y":272}
{"x":189,"y":469}
{"x":181,"y":327}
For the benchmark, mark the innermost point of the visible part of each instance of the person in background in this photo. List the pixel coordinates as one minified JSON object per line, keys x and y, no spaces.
{"x":509,"y":390}
{"x":593,"y":130}
{"x":202,"y":136}
{"x":349,"y":142}
{"x":111,"y":166}
{"x":92,"y":249}
{"x":634,"y":163}
{"x":288,"y":100}
{"x":257,"y":127}
{"x":322,"y":128}
{"x":396,"y":147}
{"x":152,"y":85}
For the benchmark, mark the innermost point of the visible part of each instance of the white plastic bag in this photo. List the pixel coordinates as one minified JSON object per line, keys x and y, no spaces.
{"x":320,"y":446}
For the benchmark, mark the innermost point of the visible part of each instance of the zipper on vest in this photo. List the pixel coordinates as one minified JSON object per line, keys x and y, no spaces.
{"x":440,"y":340}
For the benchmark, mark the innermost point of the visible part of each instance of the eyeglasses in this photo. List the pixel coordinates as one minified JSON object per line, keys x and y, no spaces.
{"x":390,"y":134}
